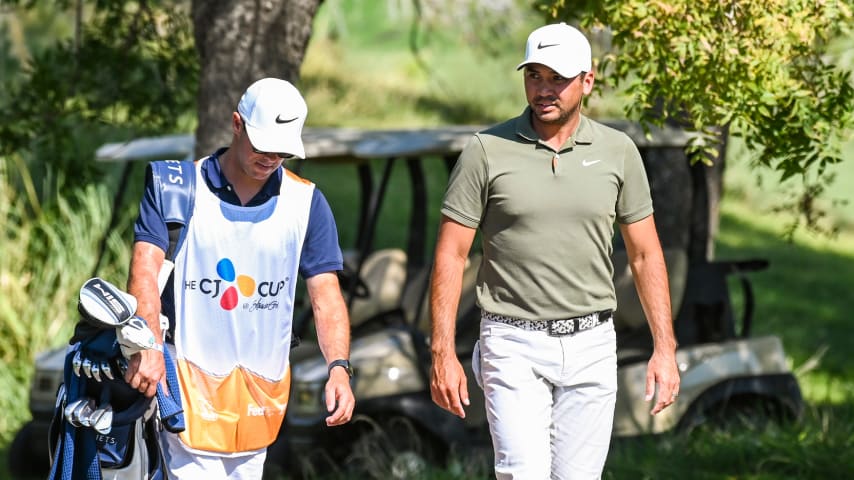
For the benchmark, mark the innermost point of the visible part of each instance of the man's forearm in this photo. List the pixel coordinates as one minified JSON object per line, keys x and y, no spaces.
{"x":445,"y":288}
{"x":333,"y":335}
{"x":651,"y":282}
{"x":142,"y":284}
{"x":330,"y":316}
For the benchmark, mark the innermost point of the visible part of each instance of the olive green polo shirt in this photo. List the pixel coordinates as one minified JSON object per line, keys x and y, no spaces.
{"x":547,"y":217}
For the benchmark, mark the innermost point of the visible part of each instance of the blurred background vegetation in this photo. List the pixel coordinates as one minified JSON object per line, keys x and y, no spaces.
{"x":387,"y":64}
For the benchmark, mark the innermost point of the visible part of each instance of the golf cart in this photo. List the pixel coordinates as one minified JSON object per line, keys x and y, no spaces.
{"x":396,"y":428}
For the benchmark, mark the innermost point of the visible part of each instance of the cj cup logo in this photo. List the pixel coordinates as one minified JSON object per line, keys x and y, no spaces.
{"x":245,"y":283}
{"x":229,"y":286}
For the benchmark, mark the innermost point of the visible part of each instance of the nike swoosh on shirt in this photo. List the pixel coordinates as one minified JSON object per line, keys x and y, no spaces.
{"x":587,"y":163}
{"x":279,"y":119}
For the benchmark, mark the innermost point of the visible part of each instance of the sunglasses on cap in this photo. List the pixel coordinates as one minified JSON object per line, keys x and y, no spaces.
{"x":283,"y":156}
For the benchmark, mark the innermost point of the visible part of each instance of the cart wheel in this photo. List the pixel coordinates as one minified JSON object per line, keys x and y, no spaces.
{"x":753,"y":412}
{"x":26,"y":461}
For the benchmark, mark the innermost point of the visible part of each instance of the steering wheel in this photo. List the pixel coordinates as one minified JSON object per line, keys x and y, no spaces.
{"x":352,"y":283}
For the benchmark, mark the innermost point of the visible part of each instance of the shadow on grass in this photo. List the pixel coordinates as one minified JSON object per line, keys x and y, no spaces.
{"x":804,"y":296}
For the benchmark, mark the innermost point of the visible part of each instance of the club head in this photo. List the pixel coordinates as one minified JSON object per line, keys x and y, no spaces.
{"x":87,"y":367}
{"x":104,"y":422}
{"x":76,"y":363}
{"x":103,"y":305}
{"x":93,"y":417}
{"x":84,"y":413}
{"x":74,"y":415}
{"x":106,"y":370}
{"x":69,"y":412}
{"x":96,"y":371}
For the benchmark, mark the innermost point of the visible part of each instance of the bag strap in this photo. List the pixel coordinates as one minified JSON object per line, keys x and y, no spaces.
{"x":175,"y":190}
{"x":174,"y":185}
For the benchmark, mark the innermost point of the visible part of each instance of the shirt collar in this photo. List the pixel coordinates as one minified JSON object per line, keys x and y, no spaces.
{"x":583,"y":134}
{"x":212,"y":173}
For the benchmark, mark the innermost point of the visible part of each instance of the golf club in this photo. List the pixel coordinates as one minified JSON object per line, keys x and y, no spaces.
{"x":69,"y":412}
{"x":76,"y":362}
{"x":84,"y":413}
{"x":106,"y":370}
{"x":104,"y":422}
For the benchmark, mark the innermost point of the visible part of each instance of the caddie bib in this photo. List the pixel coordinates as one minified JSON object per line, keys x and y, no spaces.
{"x":235,"y":279}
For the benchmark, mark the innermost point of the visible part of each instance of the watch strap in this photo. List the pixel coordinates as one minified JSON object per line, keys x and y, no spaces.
{"x":340,"y":363}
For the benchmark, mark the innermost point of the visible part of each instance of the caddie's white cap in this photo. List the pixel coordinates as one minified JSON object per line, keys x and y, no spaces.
{"x":560,"y":47}
{"x":274,"y":113}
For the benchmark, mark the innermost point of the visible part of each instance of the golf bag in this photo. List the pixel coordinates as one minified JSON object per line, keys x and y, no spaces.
{"x":102,"y":428}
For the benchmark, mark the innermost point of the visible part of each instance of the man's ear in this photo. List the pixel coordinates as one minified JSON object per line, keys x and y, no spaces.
{"x":587,"y":83}
{"x":236,"y":123}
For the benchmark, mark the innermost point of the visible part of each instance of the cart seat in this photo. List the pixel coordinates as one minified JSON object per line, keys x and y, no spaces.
{"x":384,"y":275}
{"x":629,"y":315}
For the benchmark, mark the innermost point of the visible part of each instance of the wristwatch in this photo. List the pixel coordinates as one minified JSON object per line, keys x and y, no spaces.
{"x":341,"y":363}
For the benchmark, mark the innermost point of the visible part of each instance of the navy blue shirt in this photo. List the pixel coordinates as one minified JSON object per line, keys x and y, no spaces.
{"x":320,"y":251}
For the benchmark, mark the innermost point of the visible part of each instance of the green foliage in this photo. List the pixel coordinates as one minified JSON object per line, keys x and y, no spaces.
{"x":449,"y":62}
{"x":38,"y":297}
{"x":131,"y":68}
{"x":756,"y":69}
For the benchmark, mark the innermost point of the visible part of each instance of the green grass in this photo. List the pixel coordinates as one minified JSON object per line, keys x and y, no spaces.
{"x":804,"y":296}
{"x":819,"y":447}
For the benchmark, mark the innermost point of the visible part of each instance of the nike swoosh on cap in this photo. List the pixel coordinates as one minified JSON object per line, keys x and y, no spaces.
{"x":279,"y":119}
{"x":541,"y":46}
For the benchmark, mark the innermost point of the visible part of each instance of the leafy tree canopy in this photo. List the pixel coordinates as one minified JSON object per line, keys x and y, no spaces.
{"x":130,"y":66}
{"x":754,"y":69}
{"x":758,"y":70}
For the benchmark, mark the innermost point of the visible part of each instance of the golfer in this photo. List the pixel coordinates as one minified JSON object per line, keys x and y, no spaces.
{"x":545,"y":190}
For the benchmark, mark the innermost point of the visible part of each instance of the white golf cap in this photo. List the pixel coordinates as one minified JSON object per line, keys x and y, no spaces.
{"x":274,"y":113}
{"x":560,"y":47}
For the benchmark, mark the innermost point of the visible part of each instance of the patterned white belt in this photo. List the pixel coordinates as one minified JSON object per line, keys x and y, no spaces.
{"x":555,"y":328}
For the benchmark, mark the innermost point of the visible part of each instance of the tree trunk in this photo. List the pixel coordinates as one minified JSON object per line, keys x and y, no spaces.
{"x":686,"y":198}
{"x":240,"y":41}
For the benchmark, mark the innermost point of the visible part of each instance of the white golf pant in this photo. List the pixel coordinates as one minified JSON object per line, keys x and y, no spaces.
{"x":183,"y":462}
{"x":549,"y":400}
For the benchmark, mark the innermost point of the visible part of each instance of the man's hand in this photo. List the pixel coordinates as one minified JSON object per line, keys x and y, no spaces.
{"x":662,"y":370}
{"x":448,"y":385}
{"x":145,"y":370}
{"x":339,"y":398}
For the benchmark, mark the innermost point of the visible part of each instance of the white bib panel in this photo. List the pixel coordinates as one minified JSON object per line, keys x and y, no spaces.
{"x":235,"y":281}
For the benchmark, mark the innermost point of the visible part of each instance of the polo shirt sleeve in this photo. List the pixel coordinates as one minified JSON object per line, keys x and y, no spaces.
{"x":634,"y":202}
{"x":465,"y":197}
{"x":321,"y":252}
{"x":150,"y":226}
